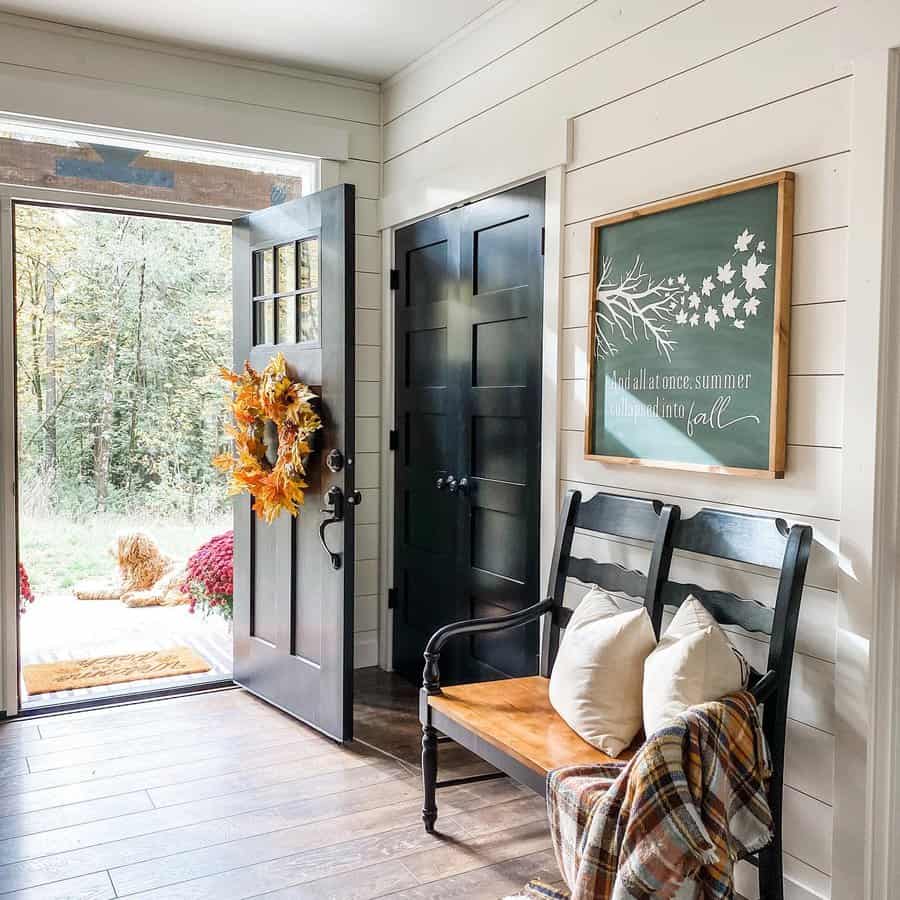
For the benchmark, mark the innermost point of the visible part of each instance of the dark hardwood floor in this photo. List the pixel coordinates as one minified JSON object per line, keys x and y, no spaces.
{"x":220,"y":796}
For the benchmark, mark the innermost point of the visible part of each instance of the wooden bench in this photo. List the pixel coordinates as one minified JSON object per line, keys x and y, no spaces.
{"x":511,"y":724}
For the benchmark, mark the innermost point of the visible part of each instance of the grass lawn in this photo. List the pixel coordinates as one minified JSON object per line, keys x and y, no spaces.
{"x":59,"y":552}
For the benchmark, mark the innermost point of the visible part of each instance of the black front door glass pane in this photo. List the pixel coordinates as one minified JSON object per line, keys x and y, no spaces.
{"x":308,"y":309}
{"x":308,"y":264}
{"x":286,"y":268}
{"x":268,"y":272}
{"x":265,"y":322}
{"x":287,"y":323}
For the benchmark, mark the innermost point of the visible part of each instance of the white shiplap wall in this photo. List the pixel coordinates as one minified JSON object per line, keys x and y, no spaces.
{"x":366,"y":176}
{"x":75,"y":74}
{"x":663,"y":97}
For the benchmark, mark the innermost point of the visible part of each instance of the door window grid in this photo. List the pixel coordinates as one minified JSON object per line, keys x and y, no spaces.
{"x":286,"y":308}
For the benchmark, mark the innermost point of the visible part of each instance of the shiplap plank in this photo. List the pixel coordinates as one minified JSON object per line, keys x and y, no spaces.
{"x":809,"y":836}
{"x":365,"y":175}
{"x":367,"y":470}
{"x":368,"y":254}
{"x":368,"y":326}
{"x":366,"y":541}
{"x":823,"y":559}
{"x":366,"y":613}
{"x":701,"y":33}
{"x":366,"y":576}
{"x":820,"y":267}
{"x":368,"y":290}
{"x":822,"y":201}
{"x":94,"y":56}
{"x":368,"y":398}
{"x":817,"y":339}
{"x":810,"y":487}
{"x":368,"y":363}
{"x":816,"y":410}
{"x":816,"y":631}
{"x":794,"y":60}
{"x":809,"y":126}
{"x":366,"y":216}
{"x":511,"y":26}
{"x":86,"y":887}
{"x":597,"y":26}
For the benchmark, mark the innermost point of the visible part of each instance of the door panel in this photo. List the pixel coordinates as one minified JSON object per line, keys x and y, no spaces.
{"x":468,"y":405}
{"x":293,"y":294}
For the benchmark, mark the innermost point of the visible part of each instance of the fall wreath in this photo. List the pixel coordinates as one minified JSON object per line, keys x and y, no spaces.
{"x":260,"y":398}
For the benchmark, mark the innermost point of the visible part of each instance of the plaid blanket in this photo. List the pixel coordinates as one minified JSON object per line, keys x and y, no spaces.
{"x":670,"y":822}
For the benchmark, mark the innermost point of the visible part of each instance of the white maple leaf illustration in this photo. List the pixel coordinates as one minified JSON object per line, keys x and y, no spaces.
{"x":742,"y":244}
{"x":695,"y":320}
{"x":671,"y":280}
{"x":729,"y":304}
{"x":712,"y":317}
{"x":681,"y":317}
{"x":726,"y":273}
{"x":752,"y":272}
{"x":739,"y":323}
{"x":760,"y":246}
{"x":694,"y":301}
{"x":708,"y":285}
{"x":682,"y":278}
{"x":751,"y":306}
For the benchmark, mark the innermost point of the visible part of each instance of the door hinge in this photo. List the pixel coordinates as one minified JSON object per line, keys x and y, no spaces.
{"x":543,"y":239}
{"x":393,"y":437}
{"x":392,"y":598}
{"x":395,"y":279}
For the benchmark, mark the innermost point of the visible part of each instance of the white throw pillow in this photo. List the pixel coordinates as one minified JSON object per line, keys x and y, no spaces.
{"x":595,"y":685}
{"x":693,"y":663}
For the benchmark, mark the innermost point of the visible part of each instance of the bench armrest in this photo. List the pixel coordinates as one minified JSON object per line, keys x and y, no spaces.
{"x":764,"y":688}
{"x":431,"y":674}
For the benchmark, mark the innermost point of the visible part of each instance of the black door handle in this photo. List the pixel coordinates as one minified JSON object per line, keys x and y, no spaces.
{"x":335,"y":500}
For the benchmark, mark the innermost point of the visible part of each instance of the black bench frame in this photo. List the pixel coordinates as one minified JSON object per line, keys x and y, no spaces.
{"x":737,"y":537}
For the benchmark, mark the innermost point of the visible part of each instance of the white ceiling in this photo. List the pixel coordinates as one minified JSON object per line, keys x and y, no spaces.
{"x":368,"y":39}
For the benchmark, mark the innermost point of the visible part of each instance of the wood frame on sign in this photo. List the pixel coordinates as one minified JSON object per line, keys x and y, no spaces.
{"x":780,"y":331}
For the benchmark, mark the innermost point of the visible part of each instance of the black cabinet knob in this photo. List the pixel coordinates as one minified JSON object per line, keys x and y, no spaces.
{"x":464,"y":486}
{"x":441,"y":483}
{"x":452,"y":484}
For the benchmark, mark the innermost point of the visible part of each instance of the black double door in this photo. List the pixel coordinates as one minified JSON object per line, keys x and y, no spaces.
{"x":468,"y":419}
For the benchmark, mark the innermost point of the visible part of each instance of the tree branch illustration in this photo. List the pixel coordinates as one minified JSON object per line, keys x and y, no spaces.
{"x":634,"y":307}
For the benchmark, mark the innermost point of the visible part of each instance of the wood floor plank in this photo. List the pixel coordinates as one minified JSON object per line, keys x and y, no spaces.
{"x":297,"y":855}
{"x":246,"y":744}
{"x":292,"y":828}
{"x":366,"y":884}
{"x":487,"y":883}
{"x":242,"y":768}
{"x":200,"y":743}
{"x":73,"y":814}
{"x":85,"y":887}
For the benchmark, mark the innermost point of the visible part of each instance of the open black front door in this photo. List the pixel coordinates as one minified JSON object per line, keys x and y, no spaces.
{"x":468,"y":406}
{"x":293,"y":610}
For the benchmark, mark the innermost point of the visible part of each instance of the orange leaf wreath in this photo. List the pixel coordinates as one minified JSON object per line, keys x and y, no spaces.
{"x":257,"y":397}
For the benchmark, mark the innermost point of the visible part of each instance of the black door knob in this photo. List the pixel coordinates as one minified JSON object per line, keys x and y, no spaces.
{"x":464,"y":486}
{"x":441,"y":483}
{"x":452,"y":484}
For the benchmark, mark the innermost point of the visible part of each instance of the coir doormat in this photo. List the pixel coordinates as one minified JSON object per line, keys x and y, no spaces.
{"x":71,"y":674}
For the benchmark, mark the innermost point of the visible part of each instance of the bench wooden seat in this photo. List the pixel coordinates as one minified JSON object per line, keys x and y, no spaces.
{"x":510,"y":723}
{"x":515,"y":716}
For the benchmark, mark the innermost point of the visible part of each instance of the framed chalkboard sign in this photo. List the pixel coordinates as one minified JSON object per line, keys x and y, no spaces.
{"x":689,"y":328}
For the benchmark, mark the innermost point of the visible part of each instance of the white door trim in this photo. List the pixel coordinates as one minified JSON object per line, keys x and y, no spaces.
{"x":873,"y":329}
{"x":550,"y":400}
{"x":9,"y":665}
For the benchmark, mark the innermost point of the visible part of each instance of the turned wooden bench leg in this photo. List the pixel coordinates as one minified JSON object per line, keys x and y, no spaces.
{"x":429,"y":777}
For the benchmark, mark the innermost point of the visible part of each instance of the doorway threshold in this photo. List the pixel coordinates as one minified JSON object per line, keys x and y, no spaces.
{"x":33,"y":709}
